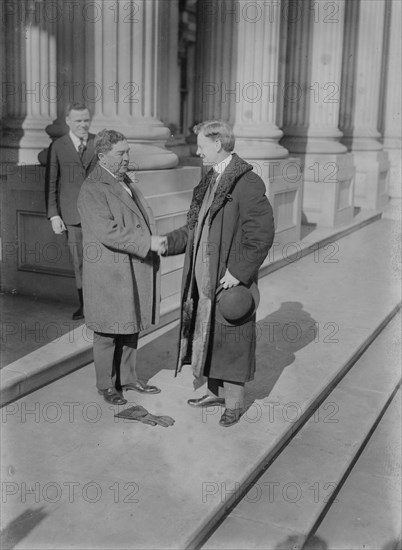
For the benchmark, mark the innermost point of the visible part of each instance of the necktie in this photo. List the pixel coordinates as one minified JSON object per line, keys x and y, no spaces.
{"x":81,"y":148}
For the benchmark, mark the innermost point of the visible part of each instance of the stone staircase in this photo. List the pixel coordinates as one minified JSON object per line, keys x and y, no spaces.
{"x":297,"y":488}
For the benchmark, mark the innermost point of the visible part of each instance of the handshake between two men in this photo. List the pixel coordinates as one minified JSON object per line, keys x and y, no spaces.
{"x":159,"y":244}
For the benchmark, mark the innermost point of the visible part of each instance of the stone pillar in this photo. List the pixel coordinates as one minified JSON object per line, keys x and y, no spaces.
{"x":241,"y":49}
{"x":122,"y":45}
{"x":29,"y":89}
{"x":3,"y":75}
{"x":393,"y":100}
{"x":360,"y":100}
{"x":312,"y":92}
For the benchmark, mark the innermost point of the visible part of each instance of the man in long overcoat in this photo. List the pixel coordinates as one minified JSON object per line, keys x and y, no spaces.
{"x":121,"y":273}
{"x":228,"y":234}
{"x":71,"y":158}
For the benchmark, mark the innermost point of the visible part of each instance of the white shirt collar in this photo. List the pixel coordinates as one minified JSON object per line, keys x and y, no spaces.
{"x":107,"y":170}
{"x":76,"y":140}
{"x":221,"y":166}
{"x":122,"y":183}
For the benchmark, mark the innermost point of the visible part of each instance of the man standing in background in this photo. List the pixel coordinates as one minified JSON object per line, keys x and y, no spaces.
{"x":71,"y":159}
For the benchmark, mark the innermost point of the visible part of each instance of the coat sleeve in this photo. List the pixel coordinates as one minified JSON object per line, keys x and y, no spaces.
{"x":96,"y":214}
{"x":53,"y":174}
{"x":257,"y":229}
{"x":177,"y":241}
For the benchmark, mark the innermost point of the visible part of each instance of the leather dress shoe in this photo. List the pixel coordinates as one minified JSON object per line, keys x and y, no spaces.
{"x":111,"y":395}
{"x":206,"y":401}
{"x":230,"y":417}
{"x":140,"y":387}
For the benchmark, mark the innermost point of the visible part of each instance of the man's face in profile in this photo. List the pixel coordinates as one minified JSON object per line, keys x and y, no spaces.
{"x":79,"y":122}
{"x":208,"y":149}
{"x":116,"y":160}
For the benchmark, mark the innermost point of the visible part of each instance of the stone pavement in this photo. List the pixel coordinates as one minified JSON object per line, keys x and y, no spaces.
{"x":76,"y":477}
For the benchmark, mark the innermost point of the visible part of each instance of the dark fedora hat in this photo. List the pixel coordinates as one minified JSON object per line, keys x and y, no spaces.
{"x":236,"y":305}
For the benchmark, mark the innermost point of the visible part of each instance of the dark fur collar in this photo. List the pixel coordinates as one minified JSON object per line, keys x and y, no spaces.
{"x":234,"y":171}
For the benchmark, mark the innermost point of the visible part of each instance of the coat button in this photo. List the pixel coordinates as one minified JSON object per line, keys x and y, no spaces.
{"x":138,"y":225}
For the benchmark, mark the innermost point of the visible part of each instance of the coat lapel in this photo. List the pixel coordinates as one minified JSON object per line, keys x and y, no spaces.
{"x":72,"y":152}
{"x":198,"y":197}
{"x":89,"y":152}
{"x":141,"y":203}
{"x":117,"y":189}
{"x":235,"y":169}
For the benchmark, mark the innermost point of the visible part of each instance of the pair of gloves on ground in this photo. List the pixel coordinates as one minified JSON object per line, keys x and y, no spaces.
{"x":139,"y":413}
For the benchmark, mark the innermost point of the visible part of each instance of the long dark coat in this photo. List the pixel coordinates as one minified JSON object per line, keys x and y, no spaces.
{"x":241,"y":232}
{"x":121,"y":276}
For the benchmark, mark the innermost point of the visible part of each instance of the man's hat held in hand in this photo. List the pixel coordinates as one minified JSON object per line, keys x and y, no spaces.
{"x":236,"y":305}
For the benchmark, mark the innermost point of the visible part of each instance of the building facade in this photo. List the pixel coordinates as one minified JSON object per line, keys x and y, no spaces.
{"x":312,"y":89}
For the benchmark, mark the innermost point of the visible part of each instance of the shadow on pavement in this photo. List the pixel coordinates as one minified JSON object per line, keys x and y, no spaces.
{"x":279,"y":336}
{"x":19,"y":528}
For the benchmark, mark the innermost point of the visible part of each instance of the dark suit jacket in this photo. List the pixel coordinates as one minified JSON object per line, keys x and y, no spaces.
{"x":66,"y":174}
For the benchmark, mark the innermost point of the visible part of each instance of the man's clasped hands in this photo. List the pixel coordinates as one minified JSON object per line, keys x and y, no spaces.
{"x":159,"y":244}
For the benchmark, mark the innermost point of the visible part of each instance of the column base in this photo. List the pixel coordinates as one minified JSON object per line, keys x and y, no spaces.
{"x":372,"y":178}
{"x":284,"y":182}
{"x":328,"y":189}
{"x":149,"y":156}
{"x":260,"y":149}
{"x":395,"y":171}
{"x":147,"y":139}
{"x":23,"y":140}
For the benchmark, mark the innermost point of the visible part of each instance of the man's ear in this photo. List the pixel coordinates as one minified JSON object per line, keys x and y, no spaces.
{"x":218,"y":145}
{"x":100,"y":156}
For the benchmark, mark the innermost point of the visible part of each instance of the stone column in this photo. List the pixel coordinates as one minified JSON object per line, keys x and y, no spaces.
{"x":240,"y":78}
{"x":360,"y":100}
{"x":393,"y":100}
{"x":29,"y":90}
{"x":3,"y":75}
{"x":122,"y":81}
{"x":312,"y":93}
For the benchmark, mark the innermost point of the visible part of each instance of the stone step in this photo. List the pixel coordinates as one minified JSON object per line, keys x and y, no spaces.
{"x":282,"y":507}
{"x":74,"y":350}
{"x":367,"y":511}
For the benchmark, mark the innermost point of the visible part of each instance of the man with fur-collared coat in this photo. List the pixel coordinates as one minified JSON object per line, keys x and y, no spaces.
{"x":121,"y":272}
{"x":229,"y":231}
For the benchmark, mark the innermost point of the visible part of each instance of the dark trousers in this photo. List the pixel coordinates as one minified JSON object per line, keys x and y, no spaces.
{"x":74,"y":241}
{"x":232,"y":392}
{"x":115,"y":358}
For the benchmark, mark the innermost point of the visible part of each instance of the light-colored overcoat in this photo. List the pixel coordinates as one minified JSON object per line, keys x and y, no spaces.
{"x":241,"y":232}
{"x":121,"y":276}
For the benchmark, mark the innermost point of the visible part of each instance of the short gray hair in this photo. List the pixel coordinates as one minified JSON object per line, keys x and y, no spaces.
{"x":105,"y":140}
